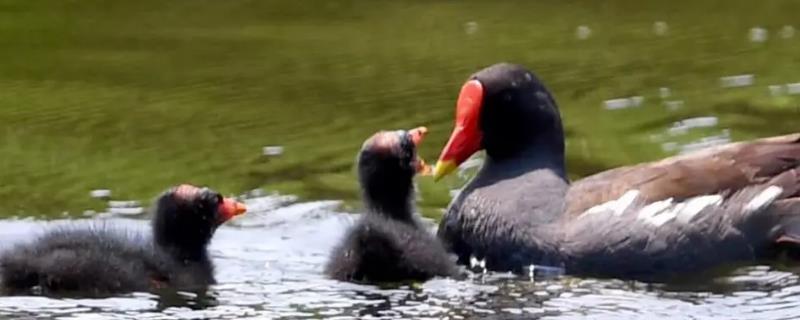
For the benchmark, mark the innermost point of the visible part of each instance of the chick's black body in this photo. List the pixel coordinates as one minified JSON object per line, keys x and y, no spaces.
{"x":388,"y":243}
{"x":99,"y":259}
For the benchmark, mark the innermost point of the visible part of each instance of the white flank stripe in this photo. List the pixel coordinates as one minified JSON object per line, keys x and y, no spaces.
{"x":661,"y":212}
{"x":662,"y":218}
{"x":763,"y":199}
{"x":625,"y":201}
{"x":696,"y":205}
{"x":653,"y":209}
{"x":617,"y":207}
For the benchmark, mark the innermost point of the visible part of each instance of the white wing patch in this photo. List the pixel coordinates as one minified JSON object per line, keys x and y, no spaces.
{"x":651,"y":210}
{"x":616,"y":207}
{"x":694,"y":205}
{"x":660,"y":212}
{"x":664,"y":217}
{"x":763,"y":199}
{"x":625,"y":201}
{"x":657,"y":213}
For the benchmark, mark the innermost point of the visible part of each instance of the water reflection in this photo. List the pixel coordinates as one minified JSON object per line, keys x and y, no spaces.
{"x":269,"y":266}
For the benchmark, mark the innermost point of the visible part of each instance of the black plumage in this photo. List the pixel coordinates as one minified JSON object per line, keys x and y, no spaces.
{"x":729,"y":204}
{"x":388,"y":243}
{"x":98,"y":258}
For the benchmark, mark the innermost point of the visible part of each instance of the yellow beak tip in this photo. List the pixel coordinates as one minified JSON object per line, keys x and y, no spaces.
{"x":443,"y":168}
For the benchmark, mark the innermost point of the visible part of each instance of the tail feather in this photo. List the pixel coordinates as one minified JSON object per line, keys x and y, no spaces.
{"x":16,"y":274}
{"x":788,"y":181}
{"x":788,"y":211}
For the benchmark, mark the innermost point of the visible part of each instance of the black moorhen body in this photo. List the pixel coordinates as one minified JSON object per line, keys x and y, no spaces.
{"x":730,"y":204}
{"x":97,"y":259}
{"x":388,"y":243}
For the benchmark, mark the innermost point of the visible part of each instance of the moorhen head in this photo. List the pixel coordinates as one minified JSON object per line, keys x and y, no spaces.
{"x":507,"y":111}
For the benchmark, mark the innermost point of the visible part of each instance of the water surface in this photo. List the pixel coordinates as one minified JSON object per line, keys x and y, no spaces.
{"x":269,"y":265}
{"x":135,"y":96}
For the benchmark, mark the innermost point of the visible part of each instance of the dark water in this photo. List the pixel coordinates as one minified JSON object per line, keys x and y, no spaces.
{"x":270,"y":262}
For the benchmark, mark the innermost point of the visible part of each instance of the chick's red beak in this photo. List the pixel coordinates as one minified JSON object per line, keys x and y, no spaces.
{"x":230,"y":208}
{"x":466,"y":137}
{"x":417,"y":135}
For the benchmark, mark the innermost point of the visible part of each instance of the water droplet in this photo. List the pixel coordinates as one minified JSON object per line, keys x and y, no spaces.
{"x":471,"y":27}
{"x":583,"y":32}
{"x":531,"y":271}
{"x":787,"y":32}
{"x":758,"y":34}
{"x":793,"y":88}
{"x":673,"y":104}
{"x":776,"y":90}
{"x":742,"y":80}
{"x":623,"y":103}
{"x":660,"y":28}
{"x":100,"y":193}
{"x":123,"y":204}
{"x":664,"y":92}
{"x":637,"y":100}
{"x":683,"y":126}
{"x":272,"y":151}
{"x":126,"y":211}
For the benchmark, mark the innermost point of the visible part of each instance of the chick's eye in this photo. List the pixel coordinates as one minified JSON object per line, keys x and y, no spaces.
{"x":213,"y":198}
{"x":210,"y":198}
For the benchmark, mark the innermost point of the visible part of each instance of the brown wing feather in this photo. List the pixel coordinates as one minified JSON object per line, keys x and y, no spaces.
{"x":719,"y":169}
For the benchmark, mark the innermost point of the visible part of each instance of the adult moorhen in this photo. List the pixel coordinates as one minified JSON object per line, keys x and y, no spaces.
{"x":733,"y":203}
{"x":97,"y":259}
{"x":388,"y":243}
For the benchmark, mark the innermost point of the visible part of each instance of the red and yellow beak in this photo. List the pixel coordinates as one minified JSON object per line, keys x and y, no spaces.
{"x":417,"y":135}
{"x":466,"y":137}
{"x":230,"y":208}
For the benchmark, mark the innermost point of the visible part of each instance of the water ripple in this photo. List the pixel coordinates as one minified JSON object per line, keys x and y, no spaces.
{"x":270,"y":263}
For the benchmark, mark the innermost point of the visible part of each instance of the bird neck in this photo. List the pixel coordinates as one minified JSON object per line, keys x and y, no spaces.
{"x":534,"y":183}
{"x":182,"y":248}
{"x":536,"y":156}
{"x":187,"y":254}
{"x":395,"y":203}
